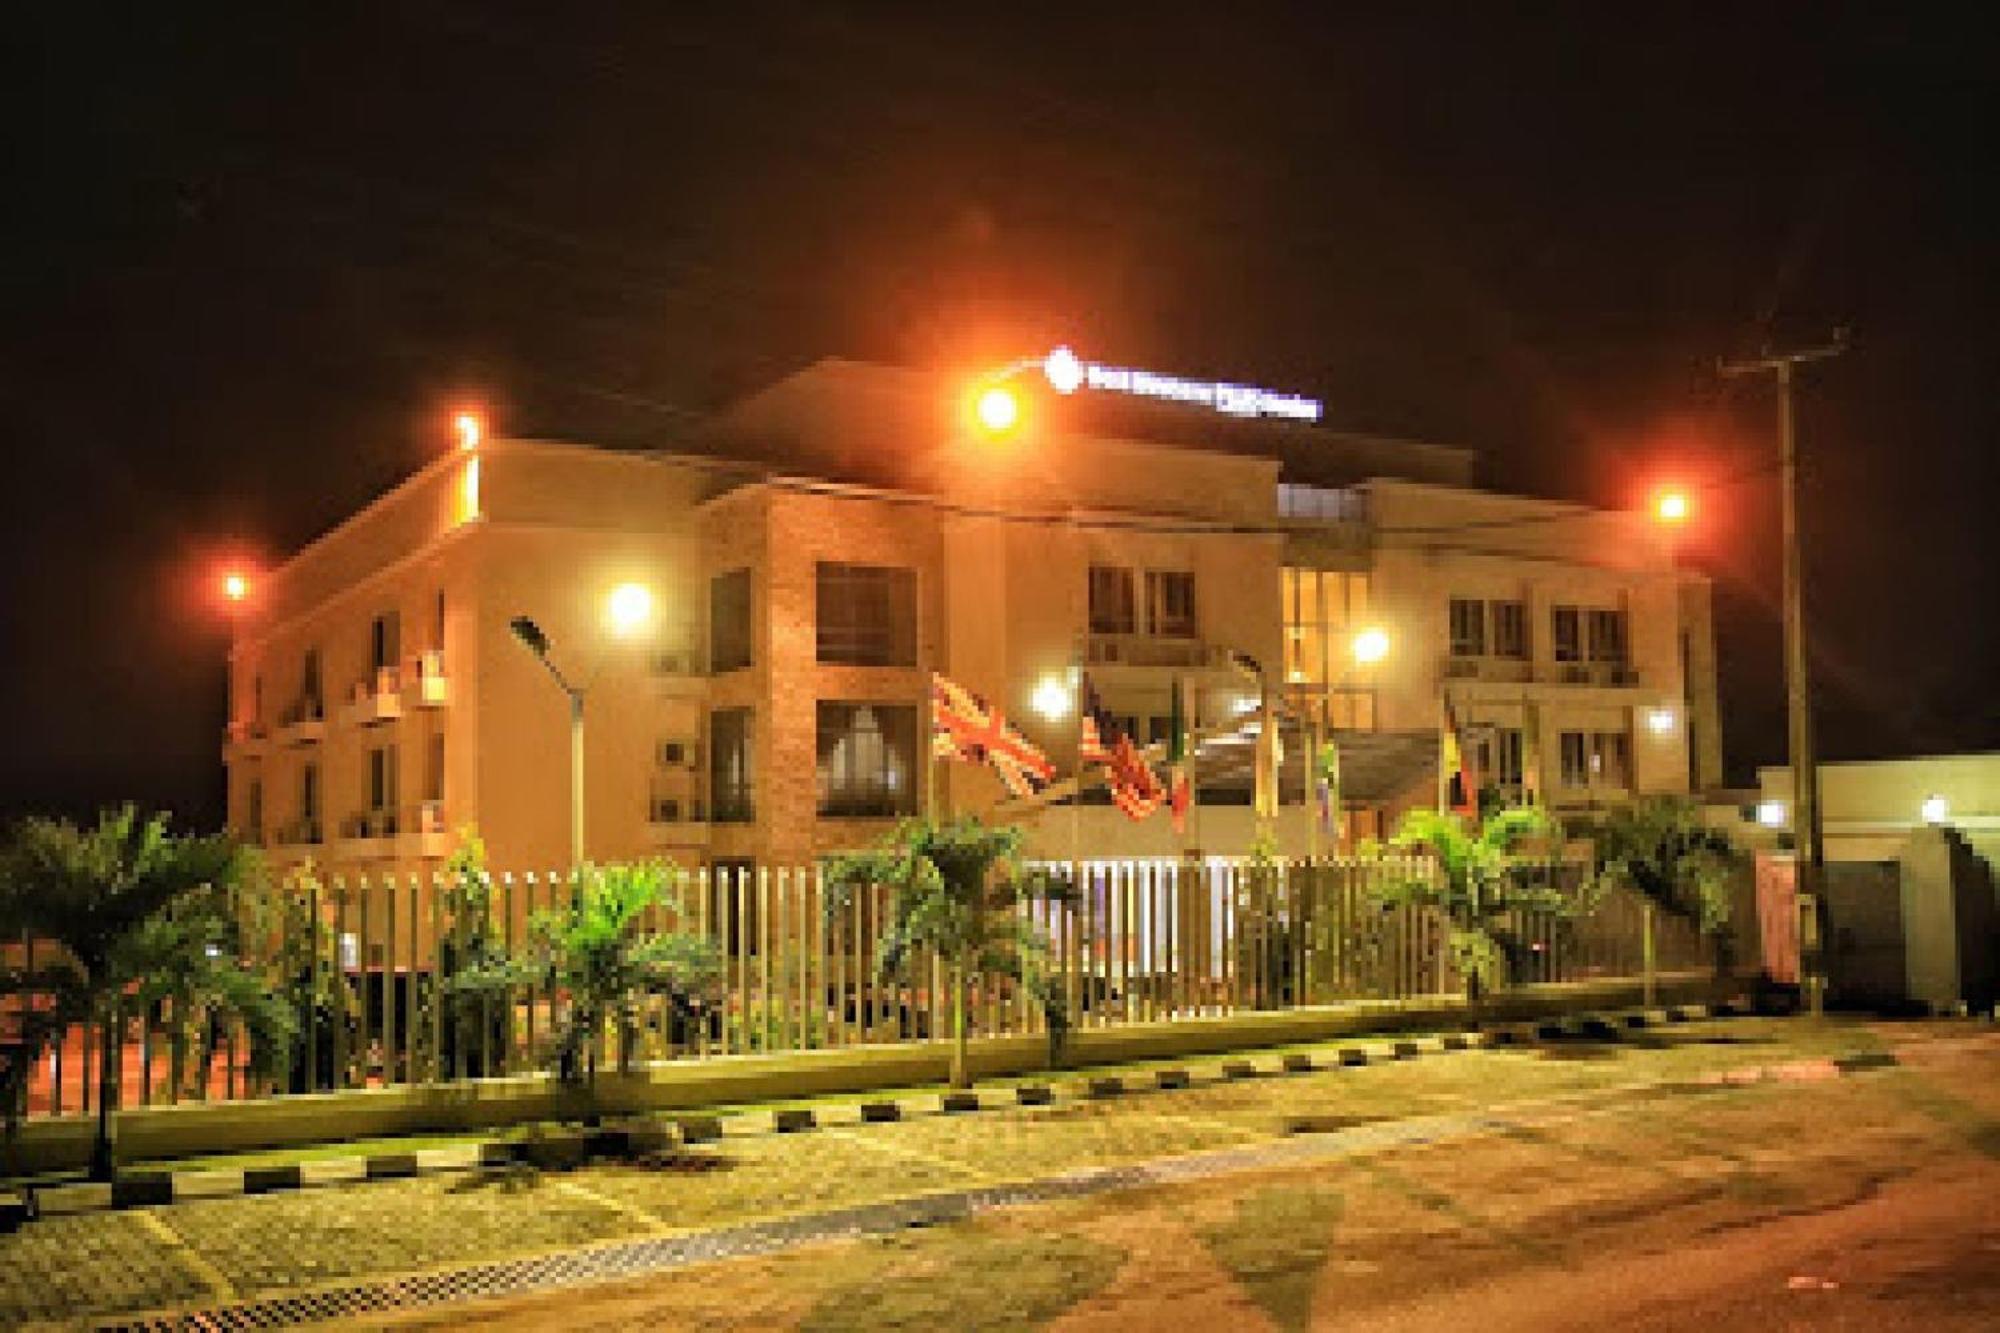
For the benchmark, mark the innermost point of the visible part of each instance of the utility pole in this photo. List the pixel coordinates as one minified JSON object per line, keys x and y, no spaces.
{"x":1808,"y":855}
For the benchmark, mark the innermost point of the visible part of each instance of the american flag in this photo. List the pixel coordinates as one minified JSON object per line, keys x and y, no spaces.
{"x":1135,"y":789}
{"x":965,"y":727}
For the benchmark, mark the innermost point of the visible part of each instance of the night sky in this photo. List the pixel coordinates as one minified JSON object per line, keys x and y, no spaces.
{"x":252,"y":256}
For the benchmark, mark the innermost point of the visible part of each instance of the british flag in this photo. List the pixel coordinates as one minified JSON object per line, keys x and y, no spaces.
{"x":1135,"y":788}
{"x":967,"y":728}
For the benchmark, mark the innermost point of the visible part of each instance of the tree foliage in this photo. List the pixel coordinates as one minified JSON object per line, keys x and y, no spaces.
{"x":1659,"y":846}
{"x":1483,"y":873}
{"x":125,"y":914}
{"x":597,"y":957}
{"x":956,"y":888}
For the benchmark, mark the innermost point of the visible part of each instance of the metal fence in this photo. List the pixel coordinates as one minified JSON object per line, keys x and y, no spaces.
{"x":369,"y":961}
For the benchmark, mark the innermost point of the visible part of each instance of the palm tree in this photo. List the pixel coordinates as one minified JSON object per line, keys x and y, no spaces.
{"x":956,"y":889}
{"x":595,"y":953}
{"x":100,"y":898}
{"x":1483,"y":873}
{"x":1660,"y":847}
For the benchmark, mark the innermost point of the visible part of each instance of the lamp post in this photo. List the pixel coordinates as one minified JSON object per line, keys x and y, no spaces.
{"x":628,"y":610}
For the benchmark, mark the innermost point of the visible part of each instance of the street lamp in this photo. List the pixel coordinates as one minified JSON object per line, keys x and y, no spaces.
{"x":1673,"y":506}
{"x":628,"y":610}
{"x":235,"y":586}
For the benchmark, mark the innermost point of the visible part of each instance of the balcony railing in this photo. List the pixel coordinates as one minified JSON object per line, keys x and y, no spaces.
{"x":375,"y":698}
{"x":1146,"y":650}
{"x":369,"y":825}
{"x":1508,"y":670}
{"x":302,"y":721}
{"x":304,"y":831}
{"x":424,"y":678}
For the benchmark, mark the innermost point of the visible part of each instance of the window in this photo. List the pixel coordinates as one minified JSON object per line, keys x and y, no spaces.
{"x":309,"y":793}
{"x":1468,"y":627}
{"x":1575,"y":759}
{"x":257,"y":697}
{"x":253,"y":817}
{"x":1112,"y":606}
{"x":1596,"y":759}
{"x":384,"y":641}
{"x":434,"y":769}
{"x":729,"y":625}
{"x":382,"y":778}
{"x":1323,"y":610}
{"x":1607,"y":637}
{"x":437,"y":621}
{"x":1170,"y":603}
{"x":1510,"y":628}
{"x":730,"y":776}
{"x":866,"y":615}
{"x":1566,"y":622}
{"x":1500,"y":758}
{"x":867,"y":759}
{"x":310,"y":694}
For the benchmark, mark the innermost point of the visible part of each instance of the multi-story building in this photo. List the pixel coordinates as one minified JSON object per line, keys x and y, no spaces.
{"x":816,"y":550}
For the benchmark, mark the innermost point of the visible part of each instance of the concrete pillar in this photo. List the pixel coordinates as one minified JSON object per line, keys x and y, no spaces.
{"x":1948,"y":920}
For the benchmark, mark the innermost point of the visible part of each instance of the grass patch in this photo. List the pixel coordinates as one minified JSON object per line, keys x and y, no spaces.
{"x":973,"y":1279}
{"x":1276,"y":1245}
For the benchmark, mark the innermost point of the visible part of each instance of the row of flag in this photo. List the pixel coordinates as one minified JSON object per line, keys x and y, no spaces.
{"x":968,"y":729}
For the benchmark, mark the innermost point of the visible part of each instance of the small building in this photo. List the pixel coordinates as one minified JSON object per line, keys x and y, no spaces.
{"x":815,"y":551}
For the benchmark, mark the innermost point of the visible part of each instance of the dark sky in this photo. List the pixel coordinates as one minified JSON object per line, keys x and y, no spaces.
{"x":252,"y":255}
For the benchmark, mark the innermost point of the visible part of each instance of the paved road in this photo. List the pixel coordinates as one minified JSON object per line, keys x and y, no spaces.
{"x":1809,"y":1200}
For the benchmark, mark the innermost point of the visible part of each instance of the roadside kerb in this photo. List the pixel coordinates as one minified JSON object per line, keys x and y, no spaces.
{"x":566,"y":1149}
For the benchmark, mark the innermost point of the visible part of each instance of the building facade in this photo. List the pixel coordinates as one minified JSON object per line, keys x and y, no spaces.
{"x":817,"y":550}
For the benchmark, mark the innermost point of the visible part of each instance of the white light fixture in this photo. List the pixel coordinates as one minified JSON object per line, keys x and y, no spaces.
{"x":1660,"y":721}
{"x":1064,"y":371}
{"x":1935,"y":809}
{"x":1051,"y":699}
{"x":1371,"y":646}
{"x":1771,"y":814}
{"x":629,"y":608}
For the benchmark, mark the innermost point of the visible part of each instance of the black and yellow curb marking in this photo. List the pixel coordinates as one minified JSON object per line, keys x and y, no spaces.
{"x":145,"y":1189}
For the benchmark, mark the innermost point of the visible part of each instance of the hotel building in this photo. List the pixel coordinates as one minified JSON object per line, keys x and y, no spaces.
{"x":815,"y":550}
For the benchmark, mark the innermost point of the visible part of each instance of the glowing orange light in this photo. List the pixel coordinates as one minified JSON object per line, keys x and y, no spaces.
{"x":471,"y":430}
{"x":235,"y":586}
{"x":1672,"y":506}
{"x":997,"y":410}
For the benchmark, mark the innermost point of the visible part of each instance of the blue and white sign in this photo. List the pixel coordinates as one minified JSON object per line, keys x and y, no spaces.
{"x":1067,"y":372}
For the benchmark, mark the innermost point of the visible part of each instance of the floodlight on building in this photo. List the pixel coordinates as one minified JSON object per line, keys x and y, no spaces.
{"x":470,"y":430}
{"x":1771,"y":814}
{"x":629,"y":609}
{"x":997,"y":409}
{"x":1935,"y":809}
{"x":1371,"y":645}
{"x":1052,"y":699}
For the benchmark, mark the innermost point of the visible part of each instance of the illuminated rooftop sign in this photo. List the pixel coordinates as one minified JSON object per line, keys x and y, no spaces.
{"x":1067,"y":373}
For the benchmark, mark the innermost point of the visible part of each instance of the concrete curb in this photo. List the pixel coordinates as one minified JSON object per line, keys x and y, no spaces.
{"x":565,"y":1150}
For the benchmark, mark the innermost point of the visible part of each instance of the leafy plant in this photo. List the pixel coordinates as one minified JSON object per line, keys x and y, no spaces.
{"x":1659,"y":846}
{"x":594,"y":954}
{"x":956,"y":888}
{"x":129,"y":912}
{"x":1481,"y":875}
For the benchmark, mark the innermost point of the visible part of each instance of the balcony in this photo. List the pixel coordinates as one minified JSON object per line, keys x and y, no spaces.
{"x":244,"y":738}
{"x":424,"y":682}
{"x":375,"y":699}
{"x":422,"y":834}
{"x":304,"y":831}
{"x":367,"y":833}
{"x":1147,"y":650}
{"x":1455,"y":670}
{"x":303,"y":722}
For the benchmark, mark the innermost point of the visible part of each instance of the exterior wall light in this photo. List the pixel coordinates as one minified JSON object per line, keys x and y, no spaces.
{"x":1051,"y":699}
{"x":1935,"y":809}
{"x":1771,"y":814}
{"x":1660,"y":721}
